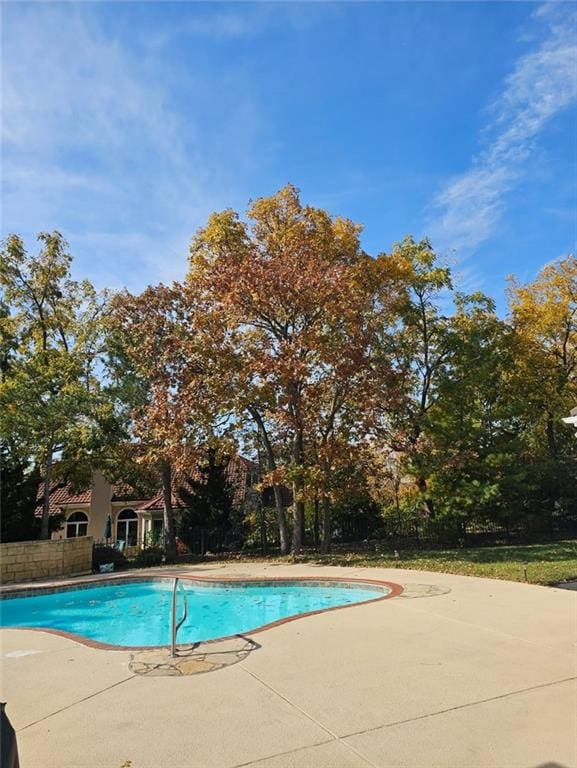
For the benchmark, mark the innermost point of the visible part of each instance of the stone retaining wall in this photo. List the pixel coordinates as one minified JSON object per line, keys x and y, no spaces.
{"x":30,"y":560}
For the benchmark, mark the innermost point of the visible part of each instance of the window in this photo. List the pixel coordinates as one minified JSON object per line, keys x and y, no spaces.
{"x":127,"y":527}
{"x":76,"y":525}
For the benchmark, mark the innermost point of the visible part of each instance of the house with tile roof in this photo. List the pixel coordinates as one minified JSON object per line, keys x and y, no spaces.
{"x":85,"y":513}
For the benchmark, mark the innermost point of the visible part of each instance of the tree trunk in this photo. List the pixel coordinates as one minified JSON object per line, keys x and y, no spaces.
{"x":298,"y":515}
{"x":281,"y":520}
{"x":428,"y":506}
{"x":326,"y":543}
{"x":316,"y":522}
{"x":326,"y":505}
{"x":169,"y":539}
{"x":271,"y":464}
{"x":552,"y":451}
{"x":262,"y":526}
{"x":45,"y":529}
{"x":421,"y":482}
{"x":298,"y":488}
{"x":551,"y":437}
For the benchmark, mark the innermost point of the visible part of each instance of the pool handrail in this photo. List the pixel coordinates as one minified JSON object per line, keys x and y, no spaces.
{"x":174,"y":624}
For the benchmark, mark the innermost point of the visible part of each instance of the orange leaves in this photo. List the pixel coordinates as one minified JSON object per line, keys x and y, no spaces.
{"x":303,"y":305}
{"x":172,"y":349}
{"x":277,"y":476}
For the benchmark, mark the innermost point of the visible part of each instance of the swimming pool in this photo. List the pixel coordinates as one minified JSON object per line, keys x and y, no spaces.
{"x":137,"y":614}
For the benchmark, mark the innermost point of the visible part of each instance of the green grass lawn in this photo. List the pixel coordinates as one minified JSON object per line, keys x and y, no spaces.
{"x":546,"y":563}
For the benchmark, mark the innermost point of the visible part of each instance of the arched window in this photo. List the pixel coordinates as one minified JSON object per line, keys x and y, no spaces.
{"x":127,"y":527}
{"x":76,"y":525}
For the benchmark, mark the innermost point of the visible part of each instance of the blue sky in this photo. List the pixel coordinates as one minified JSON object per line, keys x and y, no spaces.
{"x":126,"y":124}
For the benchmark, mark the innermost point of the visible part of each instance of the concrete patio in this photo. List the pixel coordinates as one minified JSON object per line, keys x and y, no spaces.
{"x":457,"y":672}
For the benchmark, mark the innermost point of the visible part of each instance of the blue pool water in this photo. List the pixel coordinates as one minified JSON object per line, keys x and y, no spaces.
{"x":138,"y":613}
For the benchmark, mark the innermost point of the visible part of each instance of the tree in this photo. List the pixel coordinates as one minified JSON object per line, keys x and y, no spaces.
{"x":161,"y":364}
{"x":479,"y":423}
{"x":417,"y":350}
{"x":50,"y":396}
{"x":474,"y":431}
{"x":543,"y":314}
{"x":293,"y":287}
{"x":18,"y":496}
{"x":19,"y":478}
{"x":209,"y":503}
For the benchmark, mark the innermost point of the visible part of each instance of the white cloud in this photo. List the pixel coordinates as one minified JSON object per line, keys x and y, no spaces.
{"x":216,"y":26}
{"x":99,"y":144}
{"x":542,"y":84}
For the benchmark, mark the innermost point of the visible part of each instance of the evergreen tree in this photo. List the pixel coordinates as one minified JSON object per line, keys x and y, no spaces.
{"x":17,"y":497}
{"x":210,"y":506}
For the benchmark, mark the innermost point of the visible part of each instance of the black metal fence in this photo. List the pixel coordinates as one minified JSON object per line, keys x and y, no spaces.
{"x":360,"y":534}
{"x":354,"y":535}
{"x":198,"y":541}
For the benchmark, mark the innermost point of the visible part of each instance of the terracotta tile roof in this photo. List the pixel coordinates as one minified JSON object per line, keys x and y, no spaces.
{"x":236,"y":473}
{"x":60,"y":494}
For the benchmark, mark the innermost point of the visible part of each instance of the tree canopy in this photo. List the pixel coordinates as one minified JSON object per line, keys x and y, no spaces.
{"x":377,"y":393}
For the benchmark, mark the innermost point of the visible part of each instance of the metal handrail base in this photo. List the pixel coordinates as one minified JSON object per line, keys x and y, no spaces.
{"x":176,"y":625}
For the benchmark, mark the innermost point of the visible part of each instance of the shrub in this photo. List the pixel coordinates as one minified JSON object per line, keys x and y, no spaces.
{"x":153,"y":539}
{"x":150,"y":556}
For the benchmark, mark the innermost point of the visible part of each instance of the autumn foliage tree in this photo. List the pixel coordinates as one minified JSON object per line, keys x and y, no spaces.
{"x":163,"y":371}
{"x":481,"y":397}
{"x":357,"y":373}
{"x":297,"y":289}
{"x":416,"y":348}
{"x":543,"y":314}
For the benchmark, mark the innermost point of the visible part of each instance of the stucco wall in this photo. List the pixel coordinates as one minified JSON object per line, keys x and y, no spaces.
{"x":96,"y":511}
{"x":99,"y":505}
{"x":29,"y":560}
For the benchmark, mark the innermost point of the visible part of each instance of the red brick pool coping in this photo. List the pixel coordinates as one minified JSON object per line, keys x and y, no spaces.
{"x":394,"y":590}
